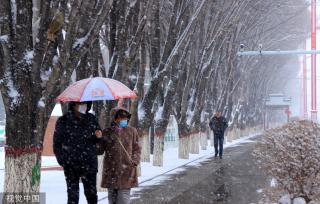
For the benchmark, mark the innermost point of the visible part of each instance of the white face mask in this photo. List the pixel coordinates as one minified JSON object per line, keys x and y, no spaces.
{"x":82,"y":108}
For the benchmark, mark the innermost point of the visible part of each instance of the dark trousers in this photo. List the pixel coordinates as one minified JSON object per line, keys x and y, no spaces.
{"x":89,"y":184}
{"x":218,"y":143}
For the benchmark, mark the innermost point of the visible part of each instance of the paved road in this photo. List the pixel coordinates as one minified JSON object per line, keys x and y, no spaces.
{"x":233,"y":180}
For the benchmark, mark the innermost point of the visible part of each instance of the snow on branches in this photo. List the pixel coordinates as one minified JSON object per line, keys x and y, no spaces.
{"x":291,"y":155}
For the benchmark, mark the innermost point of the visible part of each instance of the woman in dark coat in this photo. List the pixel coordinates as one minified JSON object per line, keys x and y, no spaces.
{"x":75,"y":138}
{"x":122,"y":155}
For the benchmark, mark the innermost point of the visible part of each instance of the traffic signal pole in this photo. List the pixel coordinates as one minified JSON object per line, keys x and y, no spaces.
{"x":313,"y":52}
{"x":313,"y":61}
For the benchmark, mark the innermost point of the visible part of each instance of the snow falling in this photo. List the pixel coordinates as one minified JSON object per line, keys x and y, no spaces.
{"x":168,"y":101}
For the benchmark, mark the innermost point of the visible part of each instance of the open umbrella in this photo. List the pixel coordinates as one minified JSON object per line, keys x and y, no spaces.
{"x":96,"y":89}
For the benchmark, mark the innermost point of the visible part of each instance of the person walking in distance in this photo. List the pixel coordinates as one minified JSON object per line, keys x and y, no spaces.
{"x":218,"y":124}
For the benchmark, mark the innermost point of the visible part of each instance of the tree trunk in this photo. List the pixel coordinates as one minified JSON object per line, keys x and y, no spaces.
{"x":184,"y":147}
{"x":25,"y":178}
{"x":184,"y":141}
{"x":145,"y":147}
{"x":211,"y":138}
{"x":228,"y":135}
{"x":203,"y":140}
{"x":158,"y":149}
{"x":194,"y":145}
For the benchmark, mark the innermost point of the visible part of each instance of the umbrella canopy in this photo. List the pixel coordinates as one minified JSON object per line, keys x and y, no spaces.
{"x":96,"y":89}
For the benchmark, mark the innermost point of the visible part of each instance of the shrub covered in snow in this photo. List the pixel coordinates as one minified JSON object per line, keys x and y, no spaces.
{"x":291,"y":155}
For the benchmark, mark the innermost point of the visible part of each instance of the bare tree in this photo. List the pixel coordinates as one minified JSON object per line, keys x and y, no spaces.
{"x":33,"y":73}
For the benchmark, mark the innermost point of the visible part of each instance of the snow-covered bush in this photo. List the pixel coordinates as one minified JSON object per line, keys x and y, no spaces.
{"x":285,"y":199}
{"x":299,"y":201}
{"x":291,"y":155}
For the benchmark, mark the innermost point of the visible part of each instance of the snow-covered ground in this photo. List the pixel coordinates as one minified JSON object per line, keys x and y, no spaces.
{"x":53,"y":182}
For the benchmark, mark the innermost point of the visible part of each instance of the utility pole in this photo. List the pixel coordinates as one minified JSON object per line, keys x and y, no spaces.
{"x":304,"y":88}
{"x":313,"y":61}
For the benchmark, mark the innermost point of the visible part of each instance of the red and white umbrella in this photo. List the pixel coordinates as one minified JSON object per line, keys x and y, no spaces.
{"x":96,"y":89}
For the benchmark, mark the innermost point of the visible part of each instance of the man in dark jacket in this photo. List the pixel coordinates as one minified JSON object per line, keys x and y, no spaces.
{"x":74,"y":144}
{"x":218,"y":124}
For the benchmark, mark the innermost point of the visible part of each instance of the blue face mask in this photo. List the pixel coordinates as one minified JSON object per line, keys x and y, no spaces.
{"x":123,"y":123}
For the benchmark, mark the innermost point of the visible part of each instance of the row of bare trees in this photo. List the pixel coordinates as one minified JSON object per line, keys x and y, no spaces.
{"x":180,"y":57}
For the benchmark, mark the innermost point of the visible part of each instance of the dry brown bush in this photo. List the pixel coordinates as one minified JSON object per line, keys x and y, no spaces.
{"x":291,"y":155}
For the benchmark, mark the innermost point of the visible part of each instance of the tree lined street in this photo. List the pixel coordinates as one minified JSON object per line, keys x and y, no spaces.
{"x":181,"y":58}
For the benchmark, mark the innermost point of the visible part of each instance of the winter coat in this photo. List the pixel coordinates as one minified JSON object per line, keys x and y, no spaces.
{"x":218,"y":125}
{"x":74,"y":141}
{"x":122,"y":155}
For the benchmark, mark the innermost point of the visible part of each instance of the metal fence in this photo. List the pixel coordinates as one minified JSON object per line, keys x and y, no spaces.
{"x":171,"y":139}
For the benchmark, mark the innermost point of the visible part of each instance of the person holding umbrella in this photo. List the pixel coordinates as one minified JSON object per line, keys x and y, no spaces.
{"x":77,"y":134}
{"x":74,"y":143}
{"x":120,"y":144}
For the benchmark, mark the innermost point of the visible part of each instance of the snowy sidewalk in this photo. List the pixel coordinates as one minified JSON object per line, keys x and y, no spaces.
{"x":152,"y":175}
{"x":233,"y":180}
{"x":53,"y":182}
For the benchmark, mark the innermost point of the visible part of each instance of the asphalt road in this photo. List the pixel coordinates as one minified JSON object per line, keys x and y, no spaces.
{"x":233,"y":180}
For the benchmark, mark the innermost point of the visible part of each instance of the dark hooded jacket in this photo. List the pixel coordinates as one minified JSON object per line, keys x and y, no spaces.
{"x":122,"y":155}
{"x":74,"y":141}
{"x":218,"y":125}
